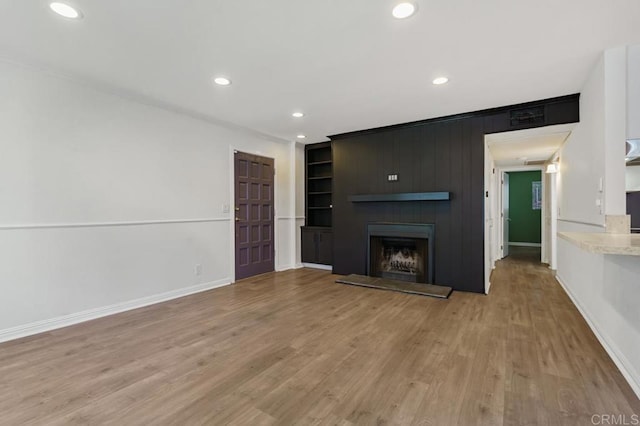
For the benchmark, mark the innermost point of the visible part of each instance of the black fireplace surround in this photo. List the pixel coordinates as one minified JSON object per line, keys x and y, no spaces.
{"x":406,"y":251}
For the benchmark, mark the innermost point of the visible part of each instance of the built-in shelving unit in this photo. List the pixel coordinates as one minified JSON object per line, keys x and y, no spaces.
{"x":319,"y":188}
{"x":317,"y":238}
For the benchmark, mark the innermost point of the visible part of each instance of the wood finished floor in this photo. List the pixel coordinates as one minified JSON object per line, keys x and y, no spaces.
{"x":297,"y":348}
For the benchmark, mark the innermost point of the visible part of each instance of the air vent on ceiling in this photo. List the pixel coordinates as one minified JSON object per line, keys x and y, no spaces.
{"x":527,"y":116}
{"x":535,"y":162}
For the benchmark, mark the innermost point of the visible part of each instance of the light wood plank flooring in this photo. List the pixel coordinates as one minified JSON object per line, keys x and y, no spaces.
{"x":297,"y":348}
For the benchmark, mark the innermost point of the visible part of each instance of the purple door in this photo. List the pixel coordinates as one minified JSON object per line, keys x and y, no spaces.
{"x":255,"y":247}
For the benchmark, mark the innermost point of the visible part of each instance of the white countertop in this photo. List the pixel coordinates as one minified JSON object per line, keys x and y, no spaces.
{"x":625,"y":244}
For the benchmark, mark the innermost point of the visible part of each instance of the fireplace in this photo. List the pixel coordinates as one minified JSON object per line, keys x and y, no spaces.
{"x":400,"y":251}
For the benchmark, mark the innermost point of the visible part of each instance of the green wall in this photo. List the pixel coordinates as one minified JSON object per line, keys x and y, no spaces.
{"x":524,"y":226}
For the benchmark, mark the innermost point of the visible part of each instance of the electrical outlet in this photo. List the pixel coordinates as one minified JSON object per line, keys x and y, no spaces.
{"x":392,"y":178}
{"x":198,"y":269}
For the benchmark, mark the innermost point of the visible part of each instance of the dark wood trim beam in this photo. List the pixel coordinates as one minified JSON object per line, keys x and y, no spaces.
{"x":485,"y":112}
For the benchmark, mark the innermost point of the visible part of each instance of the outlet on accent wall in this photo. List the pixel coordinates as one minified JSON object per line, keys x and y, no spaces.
{"x":198,"y":269}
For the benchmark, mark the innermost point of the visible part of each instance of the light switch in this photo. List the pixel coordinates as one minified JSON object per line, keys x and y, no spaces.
{"x":225,"y":208}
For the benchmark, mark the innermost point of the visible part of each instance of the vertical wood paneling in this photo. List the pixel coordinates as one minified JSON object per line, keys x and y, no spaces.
{"x":434,"y":157}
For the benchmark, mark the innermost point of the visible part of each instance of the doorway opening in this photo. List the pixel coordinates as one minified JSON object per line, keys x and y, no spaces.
{"x":522,"y":213}
{"x":508,"y":153}
{"x":520,"y":205}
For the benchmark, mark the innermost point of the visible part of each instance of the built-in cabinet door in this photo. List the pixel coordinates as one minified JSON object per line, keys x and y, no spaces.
{"x":317,"y":245}
{"x":325,"y":247}
{"x":309,"y":252}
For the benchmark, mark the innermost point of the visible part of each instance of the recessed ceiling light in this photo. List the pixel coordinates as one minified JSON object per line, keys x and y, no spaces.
{"x":65,"y":10}
{"x":301,"y":136}
{"x":403,"y":10}
{"x":440,"y":80}
{"x":298,"y":114}
{"x":222,"y":81}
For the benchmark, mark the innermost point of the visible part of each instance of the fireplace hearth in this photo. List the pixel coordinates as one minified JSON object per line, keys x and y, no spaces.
{"x":401,"y":251}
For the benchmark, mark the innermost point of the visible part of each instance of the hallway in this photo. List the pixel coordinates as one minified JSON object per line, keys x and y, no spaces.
{"x":524,"y":254}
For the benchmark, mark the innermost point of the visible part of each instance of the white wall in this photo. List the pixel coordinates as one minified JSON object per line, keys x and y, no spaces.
{"x":604,"y":287}
{"x":605,"y":290}
{"x":299,"y":201}
{"x":615,"y":130}
{"x":633,"y":178}
{"x":592,"y":159}
{"x":107,"y":203}
{"x":633,"y":111}
{"x":582,"y":156}
{"x":633,"y":92}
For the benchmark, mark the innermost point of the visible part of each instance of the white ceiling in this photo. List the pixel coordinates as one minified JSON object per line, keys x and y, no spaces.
{"x":346,"y":63}
{"x":522,"y":146}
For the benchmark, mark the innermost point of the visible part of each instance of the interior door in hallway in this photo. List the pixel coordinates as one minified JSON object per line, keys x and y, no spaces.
{"x":254,"y":211}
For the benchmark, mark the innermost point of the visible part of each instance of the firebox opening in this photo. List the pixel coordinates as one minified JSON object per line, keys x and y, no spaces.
{"x":401,"y":251}
{"x":398,"y":258}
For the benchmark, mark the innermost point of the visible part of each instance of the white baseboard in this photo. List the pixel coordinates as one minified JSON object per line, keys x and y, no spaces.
{"x":280,"y":268}
{"x":298,"y":266}
{"x":78,"y":317}
{"x":618,"y":358}
{"x":517,"y":244}
{"x":317,"y":266}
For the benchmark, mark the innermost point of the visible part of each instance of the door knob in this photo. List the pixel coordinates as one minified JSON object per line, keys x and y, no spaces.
{"x":237,"y":219}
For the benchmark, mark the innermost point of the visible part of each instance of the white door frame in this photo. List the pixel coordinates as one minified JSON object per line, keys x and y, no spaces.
{"x":543,"y":242}
{"x":489,"y":216}
{"x":552,"y":212}
{"x":504,"y":213}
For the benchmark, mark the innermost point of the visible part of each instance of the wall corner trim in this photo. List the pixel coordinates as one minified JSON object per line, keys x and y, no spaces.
{"x":104,"y":311}
{"x":619,"y":359}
